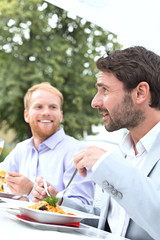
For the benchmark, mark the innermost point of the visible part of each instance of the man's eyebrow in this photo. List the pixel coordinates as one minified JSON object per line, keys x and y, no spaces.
{"x":99,"y":85}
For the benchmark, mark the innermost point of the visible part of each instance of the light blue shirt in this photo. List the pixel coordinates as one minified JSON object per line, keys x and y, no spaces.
{"x":53,"y":161}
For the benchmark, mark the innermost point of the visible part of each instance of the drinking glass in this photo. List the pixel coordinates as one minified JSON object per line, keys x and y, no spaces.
{"x":1,"y":145}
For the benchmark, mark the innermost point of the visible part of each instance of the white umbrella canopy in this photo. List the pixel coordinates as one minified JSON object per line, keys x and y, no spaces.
{"x":135,"y":22}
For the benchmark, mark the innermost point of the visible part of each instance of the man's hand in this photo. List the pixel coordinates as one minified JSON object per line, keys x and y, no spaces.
{"x":39,"y":192}
{"x":18,"y":183}
{"x":87,"y":158}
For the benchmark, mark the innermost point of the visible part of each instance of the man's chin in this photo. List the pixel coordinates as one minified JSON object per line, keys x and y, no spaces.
{"x":46,"y":133}
{"x":108,"y":128}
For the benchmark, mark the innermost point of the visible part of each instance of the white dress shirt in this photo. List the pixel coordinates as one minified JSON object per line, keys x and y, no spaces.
{"x":117,"y":217}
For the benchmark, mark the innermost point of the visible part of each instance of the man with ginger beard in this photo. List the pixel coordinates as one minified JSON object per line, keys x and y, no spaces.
{"x":48,"y":153}
{"x":128,"y":96}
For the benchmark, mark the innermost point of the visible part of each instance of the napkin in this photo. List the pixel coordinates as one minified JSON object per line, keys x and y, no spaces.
{"x":74,"y":224}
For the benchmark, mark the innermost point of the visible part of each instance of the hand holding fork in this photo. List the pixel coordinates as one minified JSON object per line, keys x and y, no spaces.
{"x":60,"y":194}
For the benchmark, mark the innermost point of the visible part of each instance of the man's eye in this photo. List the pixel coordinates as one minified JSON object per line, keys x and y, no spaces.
{"x":105,"y":89}
{"x":52,"y":107}
{"x":39,"y":107}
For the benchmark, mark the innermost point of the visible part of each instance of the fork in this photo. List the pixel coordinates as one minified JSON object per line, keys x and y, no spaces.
{"x":60,"y":194}
{"x":45,"y":186}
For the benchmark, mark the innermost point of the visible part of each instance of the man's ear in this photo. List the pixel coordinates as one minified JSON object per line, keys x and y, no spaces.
{"x":61,"y":117}
{"x":26,"y":116}
{"x":142,"y":92}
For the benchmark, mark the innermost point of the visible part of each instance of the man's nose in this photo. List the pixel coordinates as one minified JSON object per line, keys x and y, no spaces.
{"x":96,"y":102}
{"x":46,"y":110}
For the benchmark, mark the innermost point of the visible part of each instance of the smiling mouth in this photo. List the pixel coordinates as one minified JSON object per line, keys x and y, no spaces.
{"x":45,"y":121}
{"x":104,"y":114}
{"x":103,"y":111}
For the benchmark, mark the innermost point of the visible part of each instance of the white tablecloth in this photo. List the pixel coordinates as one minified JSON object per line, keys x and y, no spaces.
{"x":12,"y":228}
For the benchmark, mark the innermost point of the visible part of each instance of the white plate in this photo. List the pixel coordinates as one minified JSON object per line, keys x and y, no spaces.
{"x":11,"y":205}
{"x":52,"y":227}
{"x":14,"y":202}
{"x":6,"y":195}
{"x":55,"y":218}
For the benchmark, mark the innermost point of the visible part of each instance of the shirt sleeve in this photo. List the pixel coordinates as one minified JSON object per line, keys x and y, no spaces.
{"x":10,"y":163}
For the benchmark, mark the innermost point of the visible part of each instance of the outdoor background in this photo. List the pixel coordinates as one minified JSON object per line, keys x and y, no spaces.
{"x":40,"y":42}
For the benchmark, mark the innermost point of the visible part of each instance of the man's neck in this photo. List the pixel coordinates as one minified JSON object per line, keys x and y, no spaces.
{"x":140,"y":131}
{"x":38,"y":141}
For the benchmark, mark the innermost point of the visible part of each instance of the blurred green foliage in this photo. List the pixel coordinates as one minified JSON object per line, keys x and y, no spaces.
{"x":39,"y":42}
{"x":6,"y":150}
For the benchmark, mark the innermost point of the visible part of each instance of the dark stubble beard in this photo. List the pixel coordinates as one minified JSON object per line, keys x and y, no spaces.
{"x":124,"y":115}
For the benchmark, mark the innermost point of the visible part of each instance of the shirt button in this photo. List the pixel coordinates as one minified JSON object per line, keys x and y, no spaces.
{"x":114,"y":192}
{"x":105,"y":184}
{"x":110,"y":188}
{"x":119,"y":195}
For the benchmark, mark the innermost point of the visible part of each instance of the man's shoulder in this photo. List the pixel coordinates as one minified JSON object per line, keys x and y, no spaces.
{"x":73,"y":142}
{"x":72,"y":139}
{"x":23,"y":143}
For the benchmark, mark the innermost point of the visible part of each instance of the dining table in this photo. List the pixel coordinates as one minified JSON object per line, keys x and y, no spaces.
{"x":13,"y":227}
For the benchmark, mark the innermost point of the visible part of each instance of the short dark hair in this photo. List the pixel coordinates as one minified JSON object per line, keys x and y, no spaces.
{"x":132,"y":66}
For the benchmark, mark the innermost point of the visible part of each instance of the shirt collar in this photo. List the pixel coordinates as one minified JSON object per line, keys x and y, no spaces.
{"x":150,"y":137}
{"x":144,"y":144}
{"x":127,"y":145}
{"x":52,"y":141}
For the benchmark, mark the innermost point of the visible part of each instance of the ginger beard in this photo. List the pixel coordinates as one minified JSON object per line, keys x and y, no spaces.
{"x":44,"y":128}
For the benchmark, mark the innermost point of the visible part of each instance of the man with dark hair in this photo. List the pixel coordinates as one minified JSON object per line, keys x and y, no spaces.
{"x":128,"y":96}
